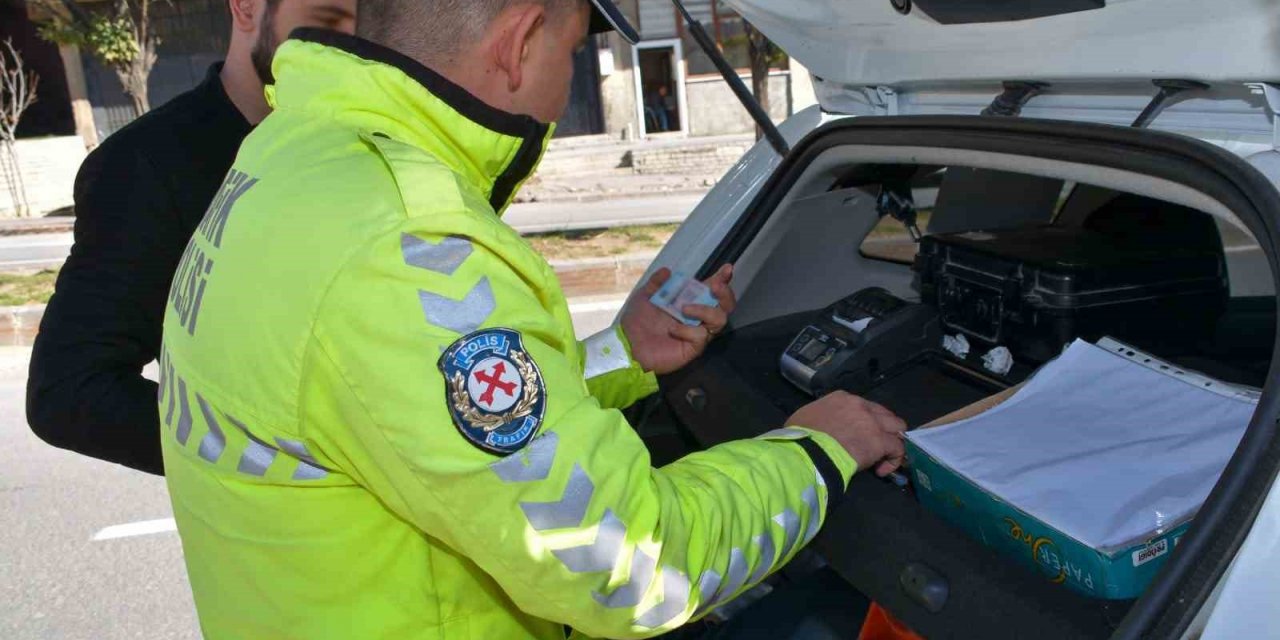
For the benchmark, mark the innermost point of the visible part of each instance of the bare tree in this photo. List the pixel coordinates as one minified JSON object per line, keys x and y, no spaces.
{"x":17,"y":93}
{"x":122,"y":39}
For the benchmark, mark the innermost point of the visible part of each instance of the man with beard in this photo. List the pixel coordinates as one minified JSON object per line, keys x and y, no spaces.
{"x":138,"y":198}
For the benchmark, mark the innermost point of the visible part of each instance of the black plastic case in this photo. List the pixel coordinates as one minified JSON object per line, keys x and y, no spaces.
{"x":1036,"y":289}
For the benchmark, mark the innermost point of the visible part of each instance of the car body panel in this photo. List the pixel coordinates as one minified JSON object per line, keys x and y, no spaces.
{"x":1245,"y":606}
{"x":713,"y":219}
{"x":868,"y":43}
{"x":715,"y":215}
{"x":1235,"y":116}
{"x":868,"y":59}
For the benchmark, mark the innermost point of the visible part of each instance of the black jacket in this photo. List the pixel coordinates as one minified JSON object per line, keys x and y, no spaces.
{"x":138,"y":198}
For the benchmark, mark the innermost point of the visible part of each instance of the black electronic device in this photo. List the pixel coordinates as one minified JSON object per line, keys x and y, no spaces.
{"x":858,"y":341}
{"x":1036,"y":289}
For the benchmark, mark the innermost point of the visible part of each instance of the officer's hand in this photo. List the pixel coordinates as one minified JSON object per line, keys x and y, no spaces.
{"x":662,"y":344}
{"x":869,"y":432}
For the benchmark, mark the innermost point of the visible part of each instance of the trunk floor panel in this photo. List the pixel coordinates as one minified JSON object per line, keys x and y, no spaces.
{"x":881,"y":528}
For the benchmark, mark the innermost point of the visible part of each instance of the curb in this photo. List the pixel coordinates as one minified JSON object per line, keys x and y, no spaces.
{"x":595,"y":276}
{"x":22,"y":228}
{"x":625,"y":261}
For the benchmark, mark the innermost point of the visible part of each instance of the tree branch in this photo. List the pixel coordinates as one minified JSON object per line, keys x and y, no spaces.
{"x":17,"y":90}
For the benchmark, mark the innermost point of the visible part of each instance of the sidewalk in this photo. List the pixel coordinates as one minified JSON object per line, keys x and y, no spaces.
{"x":670,"y":196}
{"x":597,"y":168}
{"x":584,"y":169}
{"x":621,"y":184}
{"x":25,"y":251}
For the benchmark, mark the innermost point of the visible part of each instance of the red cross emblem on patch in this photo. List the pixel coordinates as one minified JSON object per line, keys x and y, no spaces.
{"x":495,"y":384}
{"x":494,"y":390}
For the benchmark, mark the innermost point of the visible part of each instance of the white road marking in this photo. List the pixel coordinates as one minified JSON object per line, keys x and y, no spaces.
{"x":144,"y":528}
{"x":598,"y":306}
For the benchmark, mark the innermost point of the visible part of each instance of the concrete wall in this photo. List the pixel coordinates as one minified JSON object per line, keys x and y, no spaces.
{"x":714,"y":110}
{"x":49,"y":167}
{"x":618,"y":89}
{"x":803,"y":95}
{"x":618,"y":93}
{"x":689,"y":160}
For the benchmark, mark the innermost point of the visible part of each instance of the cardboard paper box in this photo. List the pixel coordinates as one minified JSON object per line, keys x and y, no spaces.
{"x":1109,"y":574}
{"x":1120,"y":571}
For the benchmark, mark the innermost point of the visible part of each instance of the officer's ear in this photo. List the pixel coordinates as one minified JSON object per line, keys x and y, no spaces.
{"x":519,"y":27}
{"x":245,"y":14}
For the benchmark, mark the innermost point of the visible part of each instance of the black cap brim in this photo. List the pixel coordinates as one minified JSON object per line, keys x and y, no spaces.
{"x":605,"y":16}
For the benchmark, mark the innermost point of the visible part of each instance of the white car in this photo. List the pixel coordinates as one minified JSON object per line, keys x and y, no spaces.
{"x":902,"y":88}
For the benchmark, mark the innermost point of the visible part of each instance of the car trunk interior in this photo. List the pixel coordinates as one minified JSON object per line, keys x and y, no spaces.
{"x":1191,"y":223}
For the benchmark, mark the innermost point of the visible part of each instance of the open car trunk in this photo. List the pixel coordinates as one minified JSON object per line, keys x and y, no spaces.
{"x":809,"y":239}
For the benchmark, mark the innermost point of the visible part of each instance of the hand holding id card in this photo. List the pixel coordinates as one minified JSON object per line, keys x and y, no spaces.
{"x":681,"y":291}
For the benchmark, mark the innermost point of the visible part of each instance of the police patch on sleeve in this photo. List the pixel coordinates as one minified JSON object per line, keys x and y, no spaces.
{"x":494,"y":390}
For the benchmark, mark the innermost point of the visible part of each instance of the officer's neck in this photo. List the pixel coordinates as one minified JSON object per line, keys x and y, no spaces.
{"x":478,"y":76}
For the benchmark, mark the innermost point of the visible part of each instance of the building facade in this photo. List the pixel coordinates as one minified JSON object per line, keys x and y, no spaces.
{"x":667,"y":86}
{"x":664,"y":86}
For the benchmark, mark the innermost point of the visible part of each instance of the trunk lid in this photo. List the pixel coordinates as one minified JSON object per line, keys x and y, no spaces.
{"x":872,"y":43}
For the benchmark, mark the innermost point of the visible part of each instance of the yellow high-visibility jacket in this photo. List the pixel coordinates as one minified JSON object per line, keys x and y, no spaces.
{"x":378,"y":421}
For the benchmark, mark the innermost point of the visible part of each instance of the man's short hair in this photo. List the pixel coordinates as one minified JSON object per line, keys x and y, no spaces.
{"x":434,"y":29}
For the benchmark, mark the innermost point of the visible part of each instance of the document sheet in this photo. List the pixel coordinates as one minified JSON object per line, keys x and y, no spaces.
{"x":1106,"y":444}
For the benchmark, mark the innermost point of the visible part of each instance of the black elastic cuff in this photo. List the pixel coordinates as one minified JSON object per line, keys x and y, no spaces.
{"x":827,"y":469}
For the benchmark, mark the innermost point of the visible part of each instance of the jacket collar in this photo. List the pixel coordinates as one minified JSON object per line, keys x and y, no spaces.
{"x":380,"y":90}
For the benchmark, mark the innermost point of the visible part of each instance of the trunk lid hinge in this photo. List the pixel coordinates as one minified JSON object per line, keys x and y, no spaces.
{"x":1167,"y":90}
{"x":884,"y":99}
{"x":1015,"y":96}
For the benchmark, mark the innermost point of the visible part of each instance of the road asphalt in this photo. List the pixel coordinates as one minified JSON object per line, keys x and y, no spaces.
{"x":34,"y":252}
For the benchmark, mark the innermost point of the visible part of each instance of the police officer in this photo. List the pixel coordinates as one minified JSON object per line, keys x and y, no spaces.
{"x":377,"y":421}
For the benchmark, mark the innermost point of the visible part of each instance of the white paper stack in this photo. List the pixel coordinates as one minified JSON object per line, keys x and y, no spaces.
{"x":1106,"y":444}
